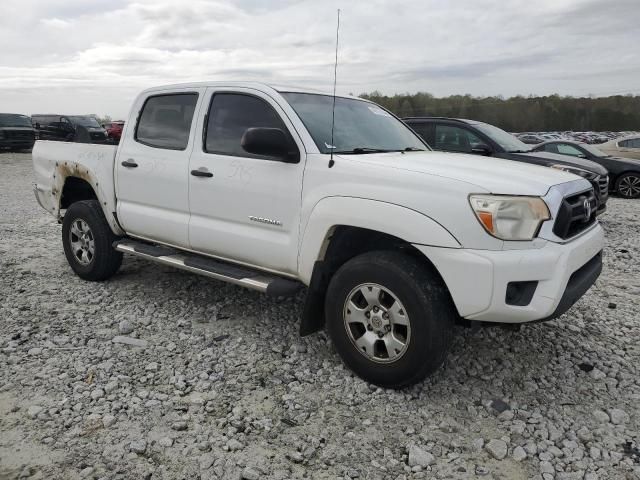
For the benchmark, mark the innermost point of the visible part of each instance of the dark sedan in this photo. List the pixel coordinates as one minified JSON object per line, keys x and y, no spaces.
{"x":624,"y":173}
{"x":482,"y":139}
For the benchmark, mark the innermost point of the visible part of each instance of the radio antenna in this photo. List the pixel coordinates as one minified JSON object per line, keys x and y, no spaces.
{"x":335,"y":79}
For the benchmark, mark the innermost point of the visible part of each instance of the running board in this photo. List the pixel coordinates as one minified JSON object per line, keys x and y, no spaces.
{"x":270,"y":284}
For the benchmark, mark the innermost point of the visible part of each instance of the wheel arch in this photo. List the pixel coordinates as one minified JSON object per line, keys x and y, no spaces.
{"x":327,"y":245}
{"x":73,"y":183}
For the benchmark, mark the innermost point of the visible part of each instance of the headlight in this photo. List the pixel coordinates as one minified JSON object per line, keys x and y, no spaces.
{"x":510,"y":218}
{"x":576,"y":171}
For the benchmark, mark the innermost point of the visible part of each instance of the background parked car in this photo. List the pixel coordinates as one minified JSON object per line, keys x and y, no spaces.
{"x":69,"y":128}
{"x":624,"y":173}
{"x":469,"y":136}
{"x":114,"y":130}
{"x":530,"y":139}
{"x":628,"y":147}
{"x":16,"y":132}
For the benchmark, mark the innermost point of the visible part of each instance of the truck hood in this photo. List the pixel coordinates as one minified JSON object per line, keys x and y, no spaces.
{"x":488,"y":174}
{"x":556,"y":158}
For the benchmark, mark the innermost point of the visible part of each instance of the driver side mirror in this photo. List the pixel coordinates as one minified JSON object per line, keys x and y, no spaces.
{"x":481,"y":149}
{"x":270,"y":142}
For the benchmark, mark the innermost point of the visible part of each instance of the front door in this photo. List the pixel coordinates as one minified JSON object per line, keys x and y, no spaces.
{"x":244,"y":207}
{"x":152,"y":183}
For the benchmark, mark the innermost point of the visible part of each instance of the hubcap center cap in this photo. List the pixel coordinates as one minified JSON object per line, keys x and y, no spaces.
{"x":378,"y":321}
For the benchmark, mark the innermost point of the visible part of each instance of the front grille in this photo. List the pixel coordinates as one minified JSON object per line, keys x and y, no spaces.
{"x":574,"y":216}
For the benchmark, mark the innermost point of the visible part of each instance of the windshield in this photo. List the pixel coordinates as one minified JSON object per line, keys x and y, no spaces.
{"x":360,"y":127}
{"x":502,"y":138}
{"x":593,"y":150}
{"x":14,"y":120}
{"x":84,"y":121}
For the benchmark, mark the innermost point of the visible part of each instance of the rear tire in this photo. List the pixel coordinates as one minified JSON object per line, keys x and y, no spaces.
{"x":628,"y":185}
{"x":390,"y":318}
{"x":88,"y":240}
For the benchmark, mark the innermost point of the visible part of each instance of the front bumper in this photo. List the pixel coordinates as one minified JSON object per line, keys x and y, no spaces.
{"x":478,"y":279}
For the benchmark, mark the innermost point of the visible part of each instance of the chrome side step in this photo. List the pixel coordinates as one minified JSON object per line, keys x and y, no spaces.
{"x":227,"y":272}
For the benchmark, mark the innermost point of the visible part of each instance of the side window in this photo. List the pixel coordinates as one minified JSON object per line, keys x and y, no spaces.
{"x":455,"y":139}
{"x":230,"y":115}
{"x":633,"y":143}
{"x":566,"y":149}
{"x":165,"y":121}
{"x":551,"y":147}
{"x":424,"y":130}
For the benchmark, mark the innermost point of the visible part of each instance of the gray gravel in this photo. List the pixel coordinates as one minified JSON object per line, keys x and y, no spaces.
{"x":159,"y":374}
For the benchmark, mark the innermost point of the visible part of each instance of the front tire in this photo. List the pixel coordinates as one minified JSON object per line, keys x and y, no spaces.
{"x":88,"y":240}
{"x":628,"y":185}
{"x":390,"y":318}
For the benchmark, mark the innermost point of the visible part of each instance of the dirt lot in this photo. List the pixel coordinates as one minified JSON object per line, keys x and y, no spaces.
{"x":221,"y":385}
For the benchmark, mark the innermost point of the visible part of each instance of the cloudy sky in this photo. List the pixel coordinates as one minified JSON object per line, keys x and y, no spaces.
{"x":86,"y":56}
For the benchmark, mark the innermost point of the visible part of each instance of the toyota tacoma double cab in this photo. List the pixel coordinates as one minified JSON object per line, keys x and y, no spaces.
{"x":277,"y":189}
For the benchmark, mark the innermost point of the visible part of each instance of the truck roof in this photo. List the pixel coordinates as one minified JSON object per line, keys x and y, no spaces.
{"x":264,"y":87}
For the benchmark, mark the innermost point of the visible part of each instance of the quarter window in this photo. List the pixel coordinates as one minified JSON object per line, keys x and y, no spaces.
{"x":230,"y":115}
{"x":165,"y":121}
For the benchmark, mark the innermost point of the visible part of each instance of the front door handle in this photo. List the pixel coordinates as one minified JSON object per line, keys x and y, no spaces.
{"x":201,"y":173}
{"x":129,"y":163}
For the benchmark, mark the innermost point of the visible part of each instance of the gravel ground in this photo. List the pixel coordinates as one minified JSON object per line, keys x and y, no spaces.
{"x":214,"y":382}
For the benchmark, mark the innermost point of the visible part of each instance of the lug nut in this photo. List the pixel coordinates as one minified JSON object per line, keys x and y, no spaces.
{"x":380,"y":334}
{"x":385,"y":315}
{"x":375,"y":309}
{"x":368,"y":314}
{"x":369,"y":327}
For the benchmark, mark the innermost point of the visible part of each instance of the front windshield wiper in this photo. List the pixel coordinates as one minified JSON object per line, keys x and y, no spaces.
{"x":362,"y":150}
{"x":413,"y":149}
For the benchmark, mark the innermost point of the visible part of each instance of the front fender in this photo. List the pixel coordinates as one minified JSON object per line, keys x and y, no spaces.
{"x":404,"y":223}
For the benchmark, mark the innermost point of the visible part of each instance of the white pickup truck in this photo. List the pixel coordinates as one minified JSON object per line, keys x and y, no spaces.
{"x":250,"y":184}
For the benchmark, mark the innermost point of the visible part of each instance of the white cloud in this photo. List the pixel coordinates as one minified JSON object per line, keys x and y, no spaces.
{"x":93,"y":56}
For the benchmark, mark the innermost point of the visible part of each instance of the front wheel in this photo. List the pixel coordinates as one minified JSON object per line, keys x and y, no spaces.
{"x":628,"y":185}
{"x":88,"y":240}
{"x":390,"y":318}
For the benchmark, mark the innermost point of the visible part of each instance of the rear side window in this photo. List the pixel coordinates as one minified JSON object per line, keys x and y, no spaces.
{"x":165,"y":121}
{"x":551,"y":147}
{"x":630,"y":143}
{"x":230,"y":115}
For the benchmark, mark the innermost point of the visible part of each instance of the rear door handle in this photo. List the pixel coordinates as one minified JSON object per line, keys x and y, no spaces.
{"x":129,"y":163}
{"x":201,"y":173}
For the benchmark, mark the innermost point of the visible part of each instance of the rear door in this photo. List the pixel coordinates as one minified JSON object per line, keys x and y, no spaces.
{"x":152,"y":184}
{"x":247,"y":207}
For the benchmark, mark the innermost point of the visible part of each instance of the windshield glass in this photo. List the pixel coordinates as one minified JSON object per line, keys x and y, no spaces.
{"x":14,"y":120}
{"x":502,"y":138}
{"x":594,"y":151}
{"x":360,"y":127}
{"x":84,"y":121}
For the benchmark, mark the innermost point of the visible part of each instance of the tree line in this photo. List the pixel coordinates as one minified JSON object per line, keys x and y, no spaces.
{"x":522,"y":114}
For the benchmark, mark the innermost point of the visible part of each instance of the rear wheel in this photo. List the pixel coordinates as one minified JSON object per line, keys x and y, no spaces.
{"x":390,"y":319}
{"x":628,"y":185}
{"x":87,"y":240}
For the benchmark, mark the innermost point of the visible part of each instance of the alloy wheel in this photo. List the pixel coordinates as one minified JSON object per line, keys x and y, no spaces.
{"x":630,"y":186}
{"x":377,"y":323}
{"x":82,"y":242}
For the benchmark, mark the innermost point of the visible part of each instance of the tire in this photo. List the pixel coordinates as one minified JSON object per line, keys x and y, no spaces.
{"x":628,"y":185}
{"x":87,"y":240}
{"x":408,"y":288}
